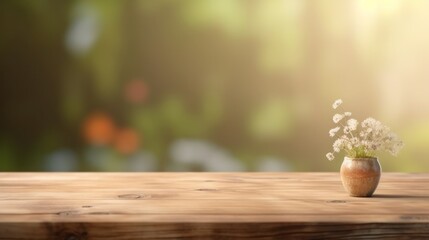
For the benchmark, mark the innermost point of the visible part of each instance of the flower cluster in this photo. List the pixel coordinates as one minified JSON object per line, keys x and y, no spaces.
{"x":360,"y":140}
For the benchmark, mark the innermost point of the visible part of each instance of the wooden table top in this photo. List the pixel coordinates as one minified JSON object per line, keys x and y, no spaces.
{"x":209,"y":206}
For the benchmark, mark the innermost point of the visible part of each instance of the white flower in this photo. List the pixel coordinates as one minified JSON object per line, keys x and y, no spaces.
{"x":370,"y":122}
{"x":396,"y":147}
{"x":337,"y":117}
{"x":338,"y":144}
{"x":333,"y":131}
{"x":349,"y":145}
{"x":330,"y":156}
{"x":337,"y":103}
{"x":354,"y":141}
{"x":393,"y":144}
{"x":352,"y":124}
{"x":347,"y":130}
{"x":372,"y":136}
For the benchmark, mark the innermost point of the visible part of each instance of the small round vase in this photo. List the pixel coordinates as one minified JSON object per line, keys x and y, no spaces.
{"x":360,"y":176}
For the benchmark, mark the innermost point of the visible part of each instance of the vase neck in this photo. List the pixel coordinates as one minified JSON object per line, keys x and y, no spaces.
{"x":361,"y":159}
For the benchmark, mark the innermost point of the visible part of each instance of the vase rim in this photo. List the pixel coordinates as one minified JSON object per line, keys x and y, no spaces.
{"x":361,"y":158}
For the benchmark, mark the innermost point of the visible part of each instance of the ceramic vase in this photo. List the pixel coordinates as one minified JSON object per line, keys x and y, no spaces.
{"x":360,"y":176}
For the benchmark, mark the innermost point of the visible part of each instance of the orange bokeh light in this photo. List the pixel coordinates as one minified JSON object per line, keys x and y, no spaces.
{"x":136,"y":91}
{"x":126,"y":141}
{"x":99,"y":129}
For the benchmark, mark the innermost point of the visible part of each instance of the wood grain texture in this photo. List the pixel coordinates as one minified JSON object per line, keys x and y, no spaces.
{"x":209,"y":206}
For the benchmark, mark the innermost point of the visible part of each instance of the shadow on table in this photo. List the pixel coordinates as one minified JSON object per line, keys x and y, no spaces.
{"x":399,"y":196}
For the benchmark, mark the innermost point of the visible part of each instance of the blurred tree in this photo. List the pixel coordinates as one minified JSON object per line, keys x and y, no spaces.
{"x":32,"y":63}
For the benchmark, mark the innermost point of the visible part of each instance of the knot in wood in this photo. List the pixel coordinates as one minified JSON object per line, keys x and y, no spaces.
{"x":413,"y":218}
{"x":206,"y":189}
{"x":67,"y":213}
{"x":336,"y":201}
{"x":99,"y":213}
{"x":134,"y":196}
{"x":129,"y":196}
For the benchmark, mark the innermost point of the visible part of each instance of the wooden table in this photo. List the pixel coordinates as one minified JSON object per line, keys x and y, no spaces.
{"x":209,"y":206}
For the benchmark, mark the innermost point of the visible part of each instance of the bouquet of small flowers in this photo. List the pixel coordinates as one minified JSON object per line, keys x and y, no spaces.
{"x":361,"y":140}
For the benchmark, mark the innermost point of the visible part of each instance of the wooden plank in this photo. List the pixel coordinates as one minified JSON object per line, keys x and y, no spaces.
{"x":203,"y":231}
{"x":389,"y":195}
{"x":209,"y":206}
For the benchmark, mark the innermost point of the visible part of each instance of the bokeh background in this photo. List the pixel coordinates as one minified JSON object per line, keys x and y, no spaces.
{"x":207,"y":85}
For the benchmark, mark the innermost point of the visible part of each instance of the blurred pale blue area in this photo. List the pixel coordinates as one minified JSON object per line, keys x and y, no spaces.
{"x":201,"y":155}
{"x":61,"y":160}
{"x":84,"y":29}
{"x":206,"y":85}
